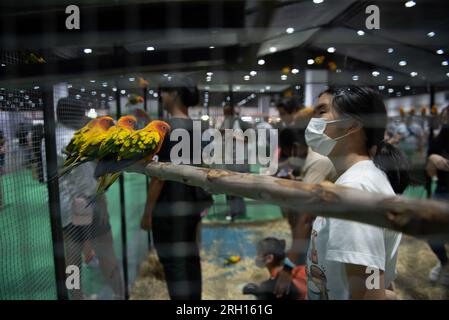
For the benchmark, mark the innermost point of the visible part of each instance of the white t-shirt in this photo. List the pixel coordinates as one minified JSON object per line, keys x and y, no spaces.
{"x":335,"y":242}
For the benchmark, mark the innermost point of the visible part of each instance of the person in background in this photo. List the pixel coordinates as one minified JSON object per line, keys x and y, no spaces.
{"x":410,"y":139}
{"x":173,"y":209}
{"x":438,"y":166}
{"x":287,"y":109}
{"x":305,"y":165}
{"x":237,"y":206}
{"x":2,"y":165}
{"x":271,"y":255}
{"x":343,"y":254}
{"x":82,"y":223}
{"x":37,"y":134}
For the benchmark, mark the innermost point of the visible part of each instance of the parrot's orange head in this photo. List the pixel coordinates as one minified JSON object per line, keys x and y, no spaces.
{"x":161,"y":127}
{"x":105,"y":122}
{"x":128,"y":122}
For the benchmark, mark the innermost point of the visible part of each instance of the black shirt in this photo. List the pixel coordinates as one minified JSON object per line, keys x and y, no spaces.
{"x":178,"y":198}
{"x":440,"y":146}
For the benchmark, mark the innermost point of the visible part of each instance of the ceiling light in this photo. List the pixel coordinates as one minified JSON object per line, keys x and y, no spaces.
{"x":155,"y":95}
{"x":82,"y":89}
{"x":208,"y":79}
{"x":290,"y":30}
{"x":381,"y":87}
{"x":295,"y":71}
{"x":87,"y":50}
{"x":447,"y":74}
{"x":92,"y":81}
{"x":36,"y":88}
{"x":390,"y":50}
{"x":267,"y":88}
{"x":375,"y":73}
{"x":410,"y":4}
{"x":122,"y":91}
{"x":253,"y":73}
{"x":246,"y":77}
{"x":389,"y":78}
{"x":390,"y":90}
{"x":283,"y":77}
{"x":431,"y":34}
{"x":355,"y":77}
{"x":444,"y":63}
{"x":204,"y":117}
{"x":211,"y":47}
{"x":331,"y":49}
{"x":132,"y":79}
{"x":310,"y":61}
{"x":440,"y":51}
{"x":361,"y":32}
{"x":209,"y":74}
{"x":273,"y":49}
{"x":237,"y":88}
{"x":261,"y":62}
{"x":318,"y":1}
{"x":402,"y":63}
{"x":338,"y":71}
{"x":150,"y":48}
{"x":104,"y":84}
{"x":298,"y":87}
{"x":413,"y":73}
{"x":114,"y":89}
{"x":407,"y":88}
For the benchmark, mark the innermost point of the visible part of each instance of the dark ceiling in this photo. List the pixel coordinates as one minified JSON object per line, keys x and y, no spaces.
{"x":228,"y":38}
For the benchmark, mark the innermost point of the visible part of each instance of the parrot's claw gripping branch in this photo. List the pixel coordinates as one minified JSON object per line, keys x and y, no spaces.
{"x":422,"y":218}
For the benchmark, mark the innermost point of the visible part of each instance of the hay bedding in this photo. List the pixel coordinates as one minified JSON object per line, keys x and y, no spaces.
{"x":225,"y":283}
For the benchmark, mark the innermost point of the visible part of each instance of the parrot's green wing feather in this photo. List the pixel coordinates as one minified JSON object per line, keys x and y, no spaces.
{"x":139,"y":144}
{"x":110,"y":147}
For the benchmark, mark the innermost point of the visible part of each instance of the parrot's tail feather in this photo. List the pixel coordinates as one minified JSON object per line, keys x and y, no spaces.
{"x":70,"y":167}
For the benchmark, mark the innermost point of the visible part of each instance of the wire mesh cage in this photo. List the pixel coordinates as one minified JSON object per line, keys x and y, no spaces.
{"x":25,"y":240}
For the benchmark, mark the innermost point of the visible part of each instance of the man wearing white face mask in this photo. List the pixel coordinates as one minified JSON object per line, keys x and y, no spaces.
{"x":349,"y":127}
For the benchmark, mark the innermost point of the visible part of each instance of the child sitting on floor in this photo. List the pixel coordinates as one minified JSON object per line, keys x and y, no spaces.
{"x":271,"y":255}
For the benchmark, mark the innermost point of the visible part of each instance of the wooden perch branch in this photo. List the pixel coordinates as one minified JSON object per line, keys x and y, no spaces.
{"x":411,"y":216}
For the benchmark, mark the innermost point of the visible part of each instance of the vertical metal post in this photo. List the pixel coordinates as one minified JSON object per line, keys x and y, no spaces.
{"x":145,"y":108}
{"x":431,"y":122}
{"x":147,"y":179}
{"x":122,"y":208}
{"x":160,"y":111}
{"x":53,"y":193}
{"x":231,"y":96}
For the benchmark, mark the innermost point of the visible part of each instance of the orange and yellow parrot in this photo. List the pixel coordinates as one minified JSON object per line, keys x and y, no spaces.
{"x":86,"y":142}
{"x":140,"y":145}
{"x":111,"y":145}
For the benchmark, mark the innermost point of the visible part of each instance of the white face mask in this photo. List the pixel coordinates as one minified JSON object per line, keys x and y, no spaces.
{"x":317,"y":139}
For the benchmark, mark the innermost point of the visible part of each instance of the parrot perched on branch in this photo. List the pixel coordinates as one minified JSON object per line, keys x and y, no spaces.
{"x":111,"y":145}
{"x":85,"y":143}
{"x":140,"y":145}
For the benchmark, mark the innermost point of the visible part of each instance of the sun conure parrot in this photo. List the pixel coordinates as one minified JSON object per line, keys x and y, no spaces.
{"x":110,"y":147}
{"x":141,"y":145}
{"x":85,"y":143}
